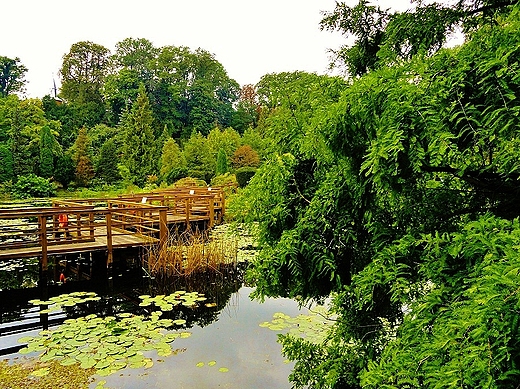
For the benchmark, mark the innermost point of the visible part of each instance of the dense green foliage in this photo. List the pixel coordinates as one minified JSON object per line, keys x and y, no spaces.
{"x":398,"y":196}
{"x":393,"y":192}
{"x":32,"y":186}
{"x":12,"y":76}
{"x":117,"y":114}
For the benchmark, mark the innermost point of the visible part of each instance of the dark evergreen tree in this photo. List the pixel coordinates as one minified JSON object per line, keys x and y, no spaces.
{"x":47,"y":142}
{"x":139,"y":147}
{"x":107,"y":167}
{"x":64,"y":170}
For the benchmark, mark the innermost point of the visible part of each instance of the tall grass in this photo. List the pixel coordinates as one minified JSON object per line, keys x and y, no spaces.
{"x":190,"y":252}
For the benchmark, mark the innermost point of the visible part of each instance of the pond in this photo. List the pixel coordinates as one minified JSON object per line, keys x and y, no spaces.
{"x":224,"y":346}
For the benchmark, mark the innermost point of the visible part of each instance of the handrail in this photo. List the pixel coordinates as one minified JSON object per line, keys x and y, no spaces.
{"x":144,"y":215}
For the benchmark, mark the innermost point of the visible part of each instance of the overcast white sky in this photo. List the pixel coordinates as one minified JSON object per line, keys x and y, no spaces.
{"x":249,"y":38}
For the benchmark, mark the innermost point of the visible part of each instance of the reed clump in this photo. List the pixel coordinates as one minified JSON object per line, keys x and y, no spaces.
{"x":190,"y":252}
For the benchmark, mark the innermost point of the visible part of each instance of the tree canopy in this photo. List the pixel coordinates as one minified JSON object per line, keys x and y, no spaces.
{"x":12,"y":76}
{"x":397,"y":194}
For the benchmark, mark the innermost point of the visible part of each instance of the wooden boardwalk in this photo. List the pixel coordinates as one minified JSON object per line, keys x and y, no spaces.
{"x":87,"y":225}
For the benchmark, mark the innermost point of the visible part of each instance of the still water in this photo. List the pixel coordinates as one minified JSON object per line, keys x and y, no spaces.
{"x":234,"y":341}
{"x":226,"y":336}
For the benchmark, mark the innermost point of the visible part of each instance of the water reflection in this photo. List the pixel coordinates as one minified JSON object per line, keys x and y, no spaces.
{"x":226,"y":334}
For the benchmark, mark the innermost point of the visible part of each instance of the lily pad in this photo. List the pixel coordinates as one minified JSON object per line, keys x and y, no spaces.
{"x":41,"y":372}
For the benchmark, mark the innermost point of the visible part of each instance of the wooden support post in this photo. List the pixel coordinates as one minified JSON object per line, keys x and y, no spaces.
{"x":42,"y":226}
{"x":222,"y":204}
{"x":163,"y":228}
{"x":78,"y":224}
{"x":110,"y":253}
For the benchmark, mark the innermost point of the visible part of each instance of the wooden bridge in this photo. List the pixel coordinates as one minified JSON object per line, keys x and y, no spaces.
{"x":105,"y":224}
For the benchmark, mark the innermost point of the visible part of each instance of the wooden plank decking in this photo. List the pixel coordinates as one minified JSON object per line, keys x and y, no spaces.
{"x":105,"y":224}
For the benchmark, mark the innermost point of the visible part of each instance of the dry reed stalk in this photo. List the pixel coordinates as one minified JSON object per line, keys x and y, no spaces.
{"x":190,"y":252}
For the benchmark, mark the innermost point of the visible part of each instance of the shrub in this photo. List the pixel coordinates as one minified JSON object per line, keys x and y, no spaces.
{"x":245,"y":156}
{"x":244,"y":174}
{"x":189,"y":181}
{"x":32,"y":186}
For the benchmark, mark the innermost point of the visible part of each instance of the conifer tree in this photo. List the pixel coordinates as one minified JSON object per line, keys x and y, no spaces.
{"x":139,"y":147}
{"x":46,"y":161}
{"x":173,"y":162}
{"x":222,"y":163}
{"x":81,"y":158}
{"x":108,"y":160}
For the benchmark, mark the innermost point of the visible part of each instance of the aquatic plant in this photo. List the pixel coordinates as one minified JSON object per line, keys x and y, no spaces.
{"x":34,"y":374}
{"x":112,"y":343}
{"x":190,"y":252}
{"x":313,"y":327}
{"x":65,"y":300}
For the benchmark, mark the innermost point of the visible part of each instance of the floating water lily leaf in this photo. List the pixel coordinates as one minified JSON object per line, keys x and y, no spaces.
{"x":41,"y":372}
{"x":314,"y":327}
{"x":101,"y":384}
{"x":25,"y":339}
{"x":68,"y":361}
{"x":25,"y":350}
{"x":88,"y":363}
{"x":103,"y":364}
{"x":111,"y":343}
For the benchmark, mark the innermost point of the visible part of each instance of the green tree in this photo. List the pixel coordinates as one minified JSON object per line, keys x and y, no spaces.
{"x":199,"y":157}
{"x":139,"y":146}
{"x":383,"y":37}
{"x":406,"y":214}
{"x":83,"y":73}
{"x":228,"y":140}
{"x":194,"y":91}
{"x":47,"y":143}
{"x":173,"y":162}
{"x":65,"y":170}
{"x":6,"y":167}
{"x":107,"y":164}
{"x":20,"y":123}
{"x":222,"y":162}
{"x":12,"y":76}
{"x":81,"y":156}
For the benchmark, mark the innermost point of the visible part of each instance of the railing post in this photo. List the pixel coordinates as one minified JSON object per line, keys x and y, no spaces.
{"x":222,"y":203}
{"x":187,"y":204}
{"x":91,"y":224}
{"x":78,"y":224}
{"x":163,"y":228}
{"x":211,"y":202}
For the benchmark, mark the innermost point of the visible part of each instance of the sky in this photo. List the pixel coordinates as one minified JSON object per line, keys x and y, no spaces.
{"x":249,"y":38}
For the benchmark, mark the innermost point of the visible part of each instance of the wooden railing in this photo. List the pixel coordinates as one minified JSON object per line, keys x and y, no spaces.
{"x":144,"y":216}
